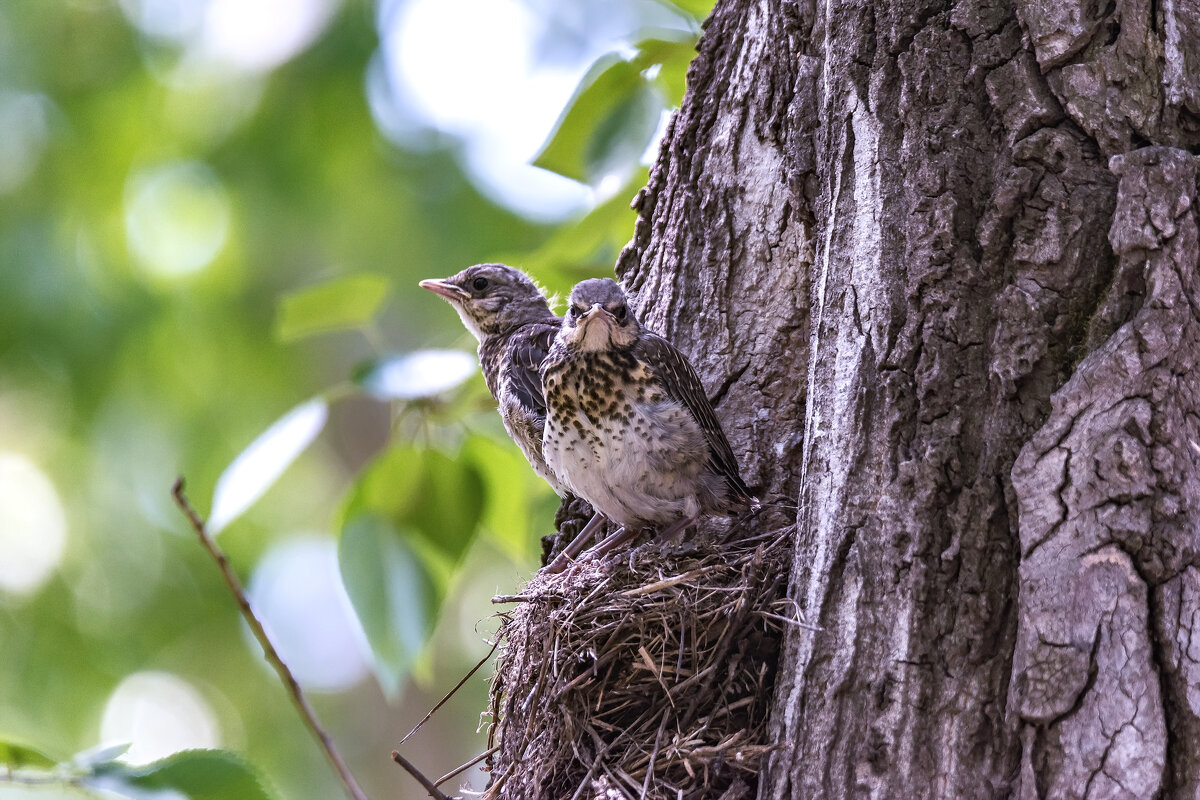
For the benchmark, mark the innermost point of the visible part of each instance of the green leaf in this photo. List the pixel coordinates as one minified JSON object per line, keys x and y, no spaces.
{"x":451,"y":504}
{"x":15,"y":755}
{"x":606,"y":125}
{"x":513,"y":492}
{"x":672,"y":57}
{"x":393,"y":596}
{"x":406,"y":525}
{"x":697,"y":8}
{"x":349,"y":302}
{"x":620,"y":138}
{"x":436,"y":499}
{"x":387,"y":486}
{"x":258,"y":466}
{"x":592,"y":244}
{"x":194,"y":774}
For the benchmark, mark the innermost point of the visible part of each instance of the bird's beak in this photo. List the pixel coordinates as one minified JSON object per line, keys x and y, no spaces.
{"x":591,"y":313}
{"x":444,"y":288}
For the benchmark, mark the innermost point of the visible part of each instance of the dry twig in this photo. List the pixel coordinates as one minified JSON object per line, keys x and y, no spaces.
{"x":419,"y":777}
{"x":644,"y":677}
{"x":452,"y":692}
{"x":285,"y":674}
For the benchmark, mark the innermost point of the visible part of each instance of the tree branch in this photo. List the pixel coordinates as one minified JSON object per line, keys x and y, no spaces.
{"x":285,"y":674}
{"x":419,"y":776}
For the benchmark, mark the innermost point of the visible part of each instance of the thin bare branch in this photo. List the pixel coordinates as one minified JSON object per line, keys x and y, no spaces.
{"x":285,"y":674}
{"x":419,"y":777}
{"x":459,"y":770}
{"x":450,"y":694}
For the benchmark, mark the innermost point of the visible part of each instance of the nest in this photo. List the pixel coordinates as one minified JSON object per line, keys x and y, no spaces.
{"x":649,"y":675}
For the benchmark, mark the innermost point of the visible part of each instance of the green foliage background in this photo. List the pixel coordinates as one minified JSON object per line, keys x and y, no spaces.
{"x":114,"y":379}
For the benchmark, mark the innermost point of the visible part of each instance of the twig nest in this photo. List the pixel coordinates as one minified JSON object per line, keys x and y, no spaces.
{"x":649,"y":675}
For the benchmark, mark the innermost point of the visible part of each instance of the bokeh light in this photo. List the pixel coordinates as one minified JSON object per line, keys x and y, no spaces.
{"x":176,"y":218}
{"x":425,"y":373}
{"x":259,"y":35}
{"x":23,"y":129}
{"x":485,"y":85}
{"x":165,"y":19}
{"x":249,"y":35}
{"x":33,"y":526}
{"x":499,"y":83}
{"x":297,"y":593}
{"x":158,"y":713}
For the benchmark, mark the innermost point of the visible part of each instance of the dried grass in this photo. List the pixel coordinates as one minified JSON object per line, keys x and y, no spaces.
{"x":645,"y":676}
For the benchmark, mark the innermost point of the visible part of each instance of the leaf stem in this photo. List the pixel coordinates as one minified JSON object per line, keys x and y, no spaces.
{"x":28,"y":779}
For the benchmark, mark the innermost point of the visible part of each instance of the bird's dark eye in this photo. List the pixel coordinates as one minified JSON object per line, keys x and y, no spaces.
{"x":479,"y":284}
{"x":619,"y":312}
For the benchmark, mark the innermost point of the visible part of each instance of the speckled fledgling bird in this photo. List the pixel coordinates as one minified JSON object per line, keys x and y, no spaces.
{"x":628,"y":425}
{"x":515,"y":327}
{"x":512,"y":321}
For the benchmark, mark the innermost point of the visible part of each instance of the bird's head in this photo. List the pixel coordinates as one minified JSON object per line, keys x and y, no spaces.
{"x":492,"y":298}
{"x":599,"y":317}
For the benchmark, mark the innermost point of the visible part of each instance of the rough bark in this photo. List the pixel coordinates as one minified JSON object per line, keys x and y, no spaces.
{"x":938,"y":264}
{"x":1104,"y":678}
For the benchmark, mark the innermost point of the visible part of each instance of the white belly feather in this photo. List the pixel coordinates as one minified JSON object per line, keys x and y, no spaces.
{"x":642,"y":470}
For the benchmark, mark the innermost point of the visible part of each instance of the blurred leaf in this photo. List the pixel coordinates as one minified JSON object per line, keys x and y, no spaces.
{"x":697,"y":8}
{"x":452,"y":499}
{"x":394,"y":598}
{"x":348,"y":302}
{"x":437,"y":499}
{"x":193,"y":774}
{"x":577,"y":251}
{"x":258,"y":466}
{"x":16,"y":756}
{"x":511,"y":488}
{"x":422,"y":373}
{"x":673,"y":57}
{"x":607,"y":123}
{"x":620,"y":138}
{"x":101,"y":754}
{"x":387,"y":486}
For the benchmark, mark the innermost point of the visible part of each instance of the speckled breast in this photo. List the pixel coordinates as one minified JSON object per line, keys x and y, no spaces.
{"x":615,"y":439}
{"x":592,"y":394}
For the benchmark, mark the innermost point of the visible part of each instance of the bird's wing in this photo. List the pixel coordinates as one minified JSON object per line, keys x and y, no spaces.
{"x":529,"y":346}
{"x":683,"y":385}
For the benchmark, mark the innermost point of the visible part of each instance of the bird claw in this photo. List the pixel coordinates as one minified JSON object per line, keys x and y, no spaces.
{"x":673,"y":533}
{"x":570,"y":553}
{"x":609,"y":544}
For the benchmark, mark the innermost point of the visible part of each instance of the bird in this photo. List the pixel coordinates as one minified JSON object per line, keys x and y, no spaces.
{"x":512,"y":321}
{"x":629,"y":427}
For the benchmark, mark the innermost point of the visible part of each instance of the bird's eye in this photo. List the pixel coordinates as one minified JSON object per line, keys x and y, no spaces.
{"x":479,"y":284}
{"x":619,"y":312}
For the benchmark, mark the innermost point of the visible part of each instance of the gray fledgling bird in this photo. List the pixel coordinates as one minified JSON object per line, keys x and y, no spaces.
{"x":628,"y":425}
{"x":515,"y":327}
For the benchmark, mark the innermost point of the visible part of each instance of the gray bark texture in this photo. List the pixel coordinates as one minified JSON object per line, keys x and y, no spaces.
{"x":937,"y":264}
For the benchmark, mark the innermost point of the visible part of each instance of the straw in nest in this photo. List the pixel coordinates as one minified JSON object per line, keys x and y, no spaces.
{"x":647,"y":676}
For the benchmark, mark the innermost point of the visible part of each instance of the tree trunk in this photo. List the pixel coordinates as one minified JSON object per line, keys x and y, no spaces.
{"x":938,"y":266}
